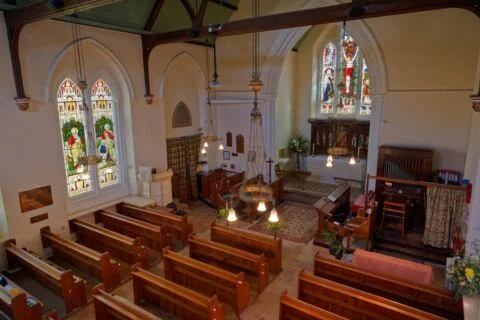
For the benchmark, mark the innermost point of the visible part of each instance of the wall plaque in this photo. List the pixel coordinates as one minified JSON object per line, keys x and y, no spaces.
{"x":35,"y":198}
{"x":40,"y":217}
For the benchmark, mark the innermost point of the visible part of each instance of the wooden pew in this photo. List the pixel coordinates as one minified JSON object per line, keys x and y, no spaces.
{"x":62,"y":282}
{"x":423,"y":297}
{"x":352,"y":303}
{"x":51,"y":315}
{"x":109,"y":307}
{"x":120,"y":246}
{"x":13,"y":301}
{"x":251,"y":242}
{"x":207,"y":250}
{"x":179,"y":301}
{"x":178,"y":225}
{"x":155,"y":237}
{"x":294,"y":309}
{"x":229,"y":287}
{"x":97,"y":264}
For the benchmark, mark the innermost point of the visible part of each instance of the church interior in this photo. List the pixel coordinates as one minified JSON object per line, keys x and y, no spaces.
{"x":239,"y":159}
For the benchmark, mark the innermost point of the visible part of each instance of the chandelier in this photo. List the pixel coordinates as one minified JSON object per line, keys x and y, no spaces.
{"x":91,"y":157}
{"x":253,"y":189}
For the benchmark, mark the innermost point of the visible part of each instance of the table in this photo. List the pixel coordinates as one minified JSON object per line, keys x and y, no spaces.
{"x":395,"y":267}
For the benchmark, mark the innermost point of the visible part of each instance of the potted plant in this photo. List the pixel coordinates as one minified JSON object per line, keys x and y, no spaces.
{"x":274,"y":227}
{"x":336,"y":247}
{"x":298,"y":145}
{"x":465,"y":273}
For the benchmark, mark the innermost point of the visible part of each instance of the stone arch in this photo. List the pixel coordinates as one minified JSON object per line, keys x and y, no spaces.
{"x":181,"y":116}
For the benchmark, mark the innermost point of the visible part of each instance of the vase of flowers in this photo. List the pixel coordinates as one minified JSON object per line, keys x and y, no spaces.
{"x":466,"y":278}
{"x":298,"y":145}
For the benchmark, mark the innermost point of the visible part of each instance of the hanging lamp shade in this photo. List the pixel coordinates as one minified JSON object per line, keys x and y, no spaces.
{"x":220,"y":147}
{"x":273,"y":216}
{"x":261,"y":206}
{"x":352,"y":161}
{"x":232,"y":216}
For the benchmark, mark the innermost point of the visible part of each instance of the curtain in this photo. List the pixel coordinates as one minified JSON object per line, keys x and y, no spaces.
{"x":182,"y":158}
{"x":445,"y":209}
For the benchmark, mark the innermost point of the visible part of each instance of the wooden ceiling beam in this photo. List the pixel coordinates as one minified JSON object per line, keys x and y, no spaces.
{"x":225,"y":4}
{"x":201,"y":13}
{"x":190,"y":11}
{"x":154,"y":14}
{"x":41,"y":11}
{"x":357,"y":10}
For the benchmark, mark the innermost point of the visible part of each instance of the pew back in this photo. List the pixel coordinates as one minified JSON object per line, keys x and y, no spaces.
{"x":427,"y":298}
{"x":155,"y":237}
{"x":173,"y":298}
{"x":62,"y":282}
{"x":294,"y":309}
{"x":207,"y":250}
{"x":251,"y":242}
{"x":51,"y":315}
{"x":108,"y":307}
{"x":229,"y":287}
{"x":352,"y":303}
{"x":178,"y":224}
{"x":120,"y":246}
{"x":97,"y":264}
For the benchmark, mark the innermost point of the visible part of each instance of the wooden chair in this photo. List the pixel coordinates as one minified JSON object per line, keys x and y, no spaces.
{"x":361,"y":226}
{"x":396,"y":211}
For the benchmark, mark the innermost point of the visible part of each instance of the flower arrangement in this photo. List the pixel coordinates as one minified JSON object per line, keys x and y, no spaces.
{"x":466,"y":273}
{"x":298,"y":144}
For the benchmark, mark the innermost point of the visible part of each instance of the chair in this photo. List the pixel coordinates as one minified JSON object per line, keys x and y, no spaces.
{"x":396,"y":211}
{"x":361,"y":226}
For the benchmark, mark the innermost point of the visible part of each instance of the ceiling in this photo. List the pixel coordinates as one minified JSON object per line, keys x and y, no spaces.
{"x":132,"y":15}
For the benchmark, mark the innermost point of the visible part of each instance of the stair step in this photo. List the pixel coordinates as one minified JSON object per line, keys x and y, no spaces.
{"x":420,"y":254}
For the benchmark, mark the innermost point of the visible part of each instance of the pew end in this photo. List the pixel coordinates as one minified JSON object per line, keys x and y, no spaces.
{"x":97,"y":288}
{"x":50,"y":315}
{"x":45,"y":242}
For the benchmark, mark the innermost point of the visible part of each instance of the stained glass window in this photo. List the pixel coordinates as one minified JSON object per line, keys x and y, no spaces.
{"x":350,"y":79}
{"x":365,"y":101}
{"x":328,"y":78}
{"x":344,"y":80}
{"x":104,"y":122}
{"x":72,"y":126}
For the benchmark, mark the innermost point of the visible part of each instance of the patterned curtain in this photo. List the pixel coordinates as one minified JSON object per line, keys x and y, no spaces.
{"x":445,"y":209}
{"x":182,"y":158}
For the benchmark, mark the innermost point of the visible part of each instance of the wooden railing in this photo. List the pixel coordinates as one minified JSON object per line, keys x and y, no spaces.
{"x":62,"y":282}
{"x":120,"y":246}
{"x":251,"y":242}
{"x":173,"y":298}
{"x":99,"y":265}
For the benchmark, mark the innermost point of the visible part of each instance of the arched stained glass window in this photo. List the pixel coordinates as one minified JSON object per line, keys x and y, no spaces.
{"x":328,"y":78}
{"x":73,"y":127}
{"x":104,"y":122}
{"x":345,"y":80}
{"x":365,"y":100}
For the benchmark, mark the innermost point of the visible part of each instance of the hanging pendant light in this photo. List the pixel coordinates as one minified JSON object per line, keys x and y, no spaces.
{"x":205,"y":145}
{"x":329,"y":164}
{"x":220,"y":146}
{"x":273,"y":218}
{"x":91,"y":157}
{"x":212,"y":31}
{"x":210,"y":131}
{"x":352,"y":161}
{"x":254,"y":190}
{"x":232,"y":216}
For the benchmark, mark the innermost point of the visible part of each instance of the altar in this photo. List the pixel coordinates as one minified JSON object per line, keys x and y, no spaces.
{"x":340,"y":169}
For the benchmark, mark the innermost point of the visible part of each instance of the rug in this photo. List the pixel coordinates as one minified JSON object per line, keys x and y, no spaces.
{"x":300,"y":222}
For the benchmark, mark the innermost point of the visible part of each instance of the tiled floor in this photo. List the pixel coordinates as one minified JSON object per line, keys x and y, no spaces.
{"x":296,"y":257}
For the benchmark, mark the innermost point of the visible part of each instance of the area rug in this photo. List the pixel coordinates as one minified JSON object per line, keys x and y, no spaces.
{"x":300,"y":222}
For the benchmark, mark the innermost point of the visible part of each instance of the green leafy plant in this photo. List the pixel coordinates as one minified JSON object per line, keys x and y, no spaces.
{"x":274,"y":226}
{"x":336,"y":247}
{"x":222,"y":213}
{"x":298,"y":144}
{"x":465,"y":273}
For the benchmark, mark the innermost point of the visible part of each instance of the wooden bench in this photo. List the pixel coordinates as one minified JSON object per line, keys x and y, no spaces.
{"x":352,"y":303}
{"x":173,"y":298}
{"x":229,"y":287}
{"x":155,"y":237}
{"x":251,"y":242}
{"x":100,"y":265}
{"x":294,"y":309}
{"x":120,"y":246}
{"x":207,"y":250}
{"x":420,"y":296}
{"x":109,"y":307}
{"x":14,"y":301}
{"x":178,"y":225}
{"x":61,"y":282}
